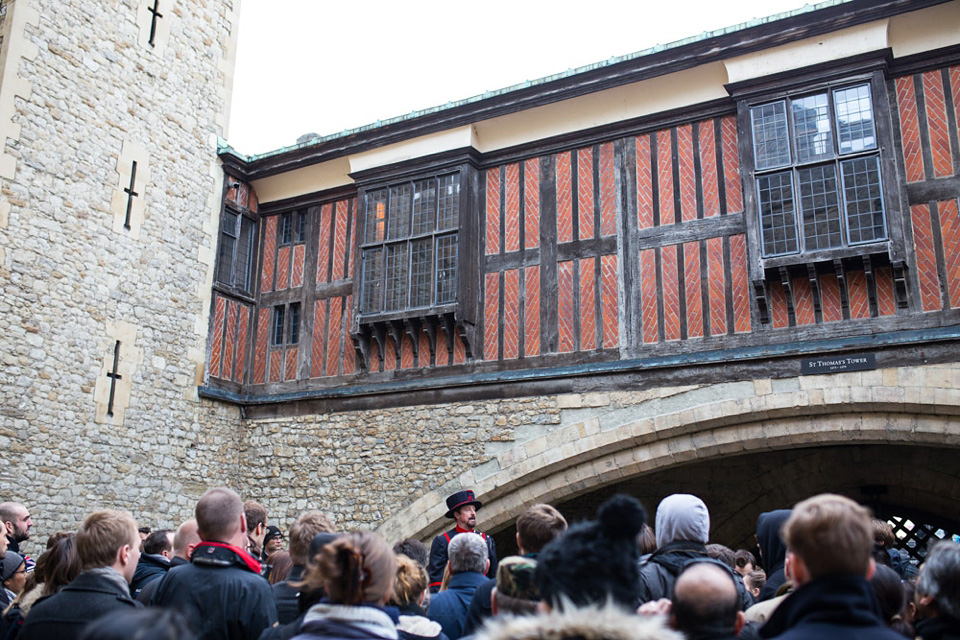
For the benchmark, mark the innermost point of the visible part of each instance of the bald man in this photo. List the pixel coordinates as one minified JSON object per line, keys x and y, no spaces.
{"x":706,"y":603}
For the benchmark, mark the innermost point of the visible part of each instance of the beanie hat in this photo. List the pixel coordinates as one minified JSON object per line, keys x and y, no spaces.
{"x":272,"y":532}
{"x":682,"y":517}
{"x":515,"y":578}
{"x":11,"y":562}
{"x":595,"y":561}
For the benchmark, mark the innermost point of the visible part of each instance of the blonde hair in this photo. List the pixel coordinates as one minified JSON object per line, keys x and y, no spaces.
{"x":356,"y":568}
{"x":832,"y":534}
{"x":411,"y":582}
{"x":102,"y":534}
{"x":303,"y":531}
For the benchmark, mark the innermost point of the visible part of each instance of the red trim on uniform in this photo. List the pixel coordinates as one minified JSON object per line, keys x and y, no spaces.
{"x":447,"y":536}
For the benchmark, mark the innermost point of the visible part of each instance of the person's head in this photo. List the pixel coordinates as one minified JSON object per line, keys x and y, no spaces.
{"x":723,"y":554}
{"x":938,"y":587}
{"x":17,"y":520}
{"x":705,"y":601}
{"x":54,"y":538}
{"x":140,"y":624}
{"x":109,"y":538}
{"x":186,"y":539}
{"x":413,"y":549}
{"x":273,"y":540}
{"x":410,"y":586}
{"x":827,"y":535}
{"x":754,"y":581}
{"x":144,"y":533}
{"x":256,"y":515}
{"x":462,"y":506}
{"x":13,"y":572}
{"x":58,"y":565}
{"x":882,"y":533}
{"x":468,"y":552}
{"x":159,"y":543}
{"x":355,"y":568}
{"x":745,"y":562}
{"x":594,"y":561}
{"x":516,"y":591}
{"x":220,"y":517}
{"x":538,"y":526}
{"x":886,"y":587}
{"x":646,"y":540}
{"x":280,"y":565}
{"x":769,"y":543}
{"x":682,"y":517}
{"x":303,"y":531}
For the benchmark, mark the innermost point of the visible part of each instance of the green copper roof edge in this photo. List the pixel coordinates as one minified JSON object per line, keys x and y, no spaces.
{"x":224,"y":147}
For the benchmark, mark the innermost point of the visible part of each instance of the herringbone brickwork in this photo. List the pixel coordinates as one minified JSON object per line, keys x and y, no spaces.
{"x":493,"y":211}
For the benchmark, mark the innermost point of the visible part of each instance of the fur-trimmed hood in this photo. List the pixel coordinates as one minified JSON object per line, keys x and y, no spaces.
{"x":583,"y":623}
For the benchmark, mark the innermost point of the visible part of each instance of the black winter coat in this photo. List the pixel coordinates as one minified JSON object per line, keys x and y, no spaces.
{"x":938,"y":628}
{"x":658,"y":572}
{"x":221,"y":592}
{"x":834,"y":607}
{"x":65,"y":614}
{"x":151,"y":567}
{"x":438,"y":557}
{"x":287,"y":596}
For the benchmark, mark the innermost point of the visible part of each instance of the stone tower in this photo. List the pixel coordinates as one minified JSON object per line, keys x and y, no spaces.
{"x":109,"y":114}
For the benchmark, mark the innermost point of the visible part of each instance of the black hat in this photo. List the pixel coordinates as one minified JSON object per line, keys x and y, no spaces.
{"x":459,"y":499}
{"x":11,"y":562}
{"x":272,"y":532}
{"x":321,"y":540}
{"x":595,"y":560}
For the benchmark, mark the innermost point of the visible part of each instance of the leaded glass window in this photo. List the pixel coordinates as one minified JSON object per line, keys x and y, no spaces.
{"x":410,"y":245}
{"x":817,"y":171}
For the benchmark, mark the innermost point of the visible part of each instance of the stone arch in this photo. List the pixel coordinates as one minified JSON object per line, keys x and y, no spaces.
{"x":607,"y":438}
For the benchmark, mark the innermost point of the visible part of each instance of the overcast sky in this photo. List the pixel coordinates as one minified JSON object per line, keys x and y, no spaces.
{"x":318,"y":66}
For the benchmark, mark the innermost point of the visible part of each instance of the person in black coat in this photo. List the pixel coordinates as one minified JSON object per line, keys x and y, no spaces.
{"x":109,"y":547}
{"x":221,"y":591}
{"x":462,"y":507}
{"x":772,"y":551}
{"x":829,"y":542}
{"x":154,"y":561}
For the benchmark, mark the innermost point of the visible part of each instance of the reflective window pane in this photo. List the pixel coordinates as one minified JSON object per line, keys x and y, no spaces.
{"x":448,"y":214}
{"x":376,"y":216}
{"x":855,"y":128}
{"x":863,"y":200}
{"x":771,"y":143}
{"x":777,"y":219}
{"x":424,"y":206}
{"x":820,"y":207}
{"x":446,"y":269}
{"x":811,"y":128}
{"x":421,"y":272}
{"x":398,"y":217}
{"x":398,"y":263}
{"x":372,"y":272}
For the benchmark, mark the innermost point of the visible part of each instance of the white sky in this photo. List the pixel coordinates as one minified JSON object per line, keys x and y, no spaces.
{"x":322,"y":66}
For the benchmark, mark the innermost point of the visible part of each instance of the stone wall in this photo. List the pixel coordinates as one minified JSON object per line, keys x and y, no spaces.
{"x":74,"y":279}
{"x":391,"y":469}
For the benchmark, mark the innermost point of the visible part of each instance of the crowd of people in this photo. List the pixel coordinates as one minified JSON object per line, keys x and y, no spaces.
{"x":823,"y":569}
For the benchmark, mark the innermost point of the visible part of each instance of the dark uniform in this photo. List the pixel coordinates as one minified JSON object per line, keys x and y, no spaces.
{"x":438,"y":556}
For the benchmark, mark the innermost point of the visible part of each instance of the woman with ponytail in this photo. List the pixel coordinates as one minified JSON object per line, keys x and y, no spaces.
{"x":357,"y":571}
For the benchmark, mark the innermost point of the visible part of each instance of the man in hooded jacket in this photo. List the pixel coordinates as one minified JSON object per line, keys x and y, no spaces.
{"x":682,"y":530}
{"x":772,"y":550}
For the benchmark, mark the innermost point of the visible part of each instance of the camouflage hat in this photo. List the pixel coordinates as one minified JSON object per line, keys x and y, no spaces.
{"x":515,"y":578}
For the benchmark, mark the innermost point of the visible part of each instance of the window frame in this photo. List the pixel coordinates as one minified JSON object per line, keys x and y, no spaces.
{"x":840,"y":231}
{"x":250,"y":285}
{"x":462,"y":304}
{"x":869,"y":70}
